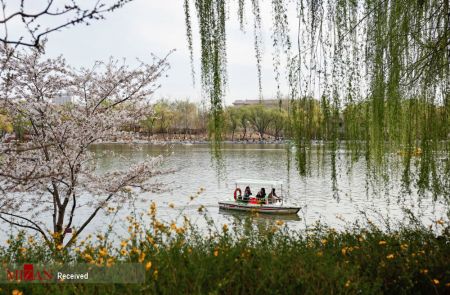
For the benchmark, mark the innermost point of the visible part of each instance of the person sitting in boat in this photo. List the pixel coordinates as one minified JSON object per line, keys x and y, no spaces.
{"x":273,"y":198}
{"x":261,"y":196}
{"x":238,"y":194}
{"x":247,"y":194}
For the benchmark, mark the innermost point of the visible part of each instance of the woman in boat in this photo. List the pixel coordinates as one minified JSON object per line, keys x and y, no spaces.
{"x":261,"y":196}
{"x":247,"y":194}
{"x":238,"y":194}
{"x":273,"y":198}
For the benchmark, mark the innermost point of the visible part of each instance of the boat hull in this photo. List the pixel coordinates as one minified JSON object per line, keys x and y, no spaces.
{"x":267,"y":209}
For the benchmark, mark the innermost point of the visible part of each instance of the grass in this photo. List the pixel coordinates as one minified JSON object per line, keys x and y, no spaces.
{"x":253,"y":258}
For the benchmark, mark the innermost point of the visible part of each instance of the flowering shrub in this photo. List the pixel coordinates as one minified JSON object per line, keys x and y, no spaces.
{"x":251,"y":257}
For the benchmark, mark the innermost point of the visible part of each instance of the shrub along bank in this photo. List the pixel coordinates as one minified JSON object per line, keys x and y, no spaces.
{"x":249,"y":257}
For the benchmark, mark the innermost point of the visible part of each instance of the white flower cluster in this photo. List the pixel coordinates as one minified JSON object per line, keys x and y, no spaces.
{"x":51,"y":165}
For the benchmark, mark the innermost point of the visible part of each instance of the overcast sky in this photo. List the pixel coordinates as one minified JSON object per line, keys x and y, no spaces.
{"x":143,"y":27}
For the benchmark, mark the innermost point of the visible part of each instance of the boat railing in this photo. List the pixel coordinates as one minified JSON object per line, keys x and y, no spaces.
{"x":267,"y":200}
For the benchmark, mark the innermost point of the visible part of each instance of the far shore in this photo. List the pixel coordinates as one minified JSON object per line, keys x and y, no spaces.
{"x":192,"y":141}
{"x":188,"y":139}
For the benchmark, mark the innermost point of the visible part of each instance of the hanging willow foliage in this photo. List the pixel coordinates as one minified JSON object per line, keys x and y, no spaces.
{"x":372,"y":75}
{"x":211,"y":18}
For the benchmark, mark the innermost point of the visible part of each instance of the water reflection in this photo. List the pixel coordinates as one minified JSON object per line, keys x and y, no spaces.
{"x":381,"y":200}
{"x":240,"y":216}
{"x":195,"y":168}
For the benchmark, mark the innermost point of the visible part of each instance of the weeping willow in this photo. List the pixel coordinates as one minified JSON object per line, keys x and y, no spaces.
{"x":370,"y":75}
{"x":211,"y":16}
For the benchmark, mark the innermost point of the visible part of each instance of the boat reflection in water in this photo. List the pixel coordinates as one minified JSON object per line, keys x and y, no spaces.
{"x":241,"y":215}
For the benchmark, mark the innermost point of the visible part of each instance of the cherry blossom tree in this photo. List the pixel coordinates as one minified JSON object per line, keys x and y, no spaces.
{"x":52,"y":171}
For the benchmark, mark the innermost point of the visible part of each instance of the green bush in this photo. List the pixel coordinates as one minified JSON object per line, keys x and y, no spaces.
{"x":250,"y":257}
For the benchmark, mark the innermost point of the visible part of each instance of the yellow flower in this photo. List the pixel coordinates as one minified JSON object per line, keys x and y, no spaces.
{"x":141,"y":257}
{"x":424,"y":271}
{"x":17,"y":292}
{"x":88,"y":257}
{"x":225,"y":227}
{"x":59,"y":247}
{"x":382,"y":243}
{"x":152,"y":209}
{"x":103,"y":252}
{"x":109,"y":262}
{"x":148,"y":265}
{"x":173,"y":226}
{"x":279,"y":222}
{"x":320,"y":254}
{"x":324,"y":241}
{"x":390,"y":256}
{"x":404,"y":246}
{"x":123,"y":244}
{"x":447,"y":285}
{"x":344,"y":251}
{"x":347,"y":284}
{"x":123,"y":252}
{"x":440,"y":221}
{"x":55,"y":235}
{"x":436,"y":281}
{"x":155,"y":274}
{"x":216,"y":253}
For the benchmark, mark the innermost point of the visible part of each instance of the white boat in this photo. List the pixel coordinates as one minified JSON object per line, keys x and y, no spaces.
{"x":258,"y":203}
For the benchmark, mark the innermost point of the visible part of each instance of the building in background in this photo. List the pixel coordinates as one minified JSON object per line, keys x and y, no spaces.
{"x":271,"y":103}
{"x":63,"y":98}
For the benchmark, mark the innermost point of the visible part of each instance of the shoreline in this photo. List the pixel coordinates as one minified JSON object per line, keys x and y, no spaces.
{"x":192,"y":142}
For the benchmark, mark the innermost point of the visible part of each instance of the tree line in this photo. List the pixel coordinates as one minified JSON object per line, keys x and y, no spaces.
{"x":306,"y":119}
{"x":185,"y":118}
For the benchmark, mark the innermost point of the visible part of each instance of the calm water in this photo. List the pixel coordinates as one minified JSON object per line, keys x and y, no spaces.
{"x":194,"y":168}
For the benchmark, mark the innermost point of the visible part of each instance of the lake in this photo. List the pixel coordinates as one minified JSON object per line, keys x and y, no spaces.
{"x":194,"y":168}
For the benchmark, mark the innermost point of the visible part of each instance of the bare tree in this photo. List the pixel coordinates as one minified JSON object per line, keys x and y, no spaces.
{"x":232,"y":116}
{"x":48,"y":173}
{"x":260,"y":117}
{"x":34,"y":20}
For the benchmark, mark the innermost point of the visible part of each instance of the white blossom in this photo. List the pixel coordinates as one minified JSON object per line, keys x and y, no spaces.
{"x":49,"y":170}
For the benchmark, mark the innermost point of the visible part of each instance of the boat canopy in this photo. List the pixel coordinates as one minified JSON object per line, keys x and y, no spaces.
{"x":272,"y":183}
